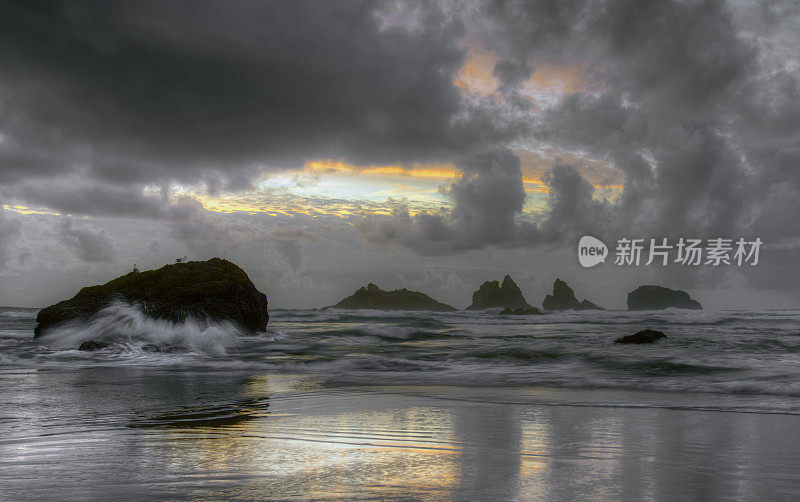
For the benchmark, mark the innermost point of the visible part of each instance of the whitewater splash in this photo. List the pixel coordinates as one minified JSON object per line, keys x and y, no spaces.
{"x":125,"y":326}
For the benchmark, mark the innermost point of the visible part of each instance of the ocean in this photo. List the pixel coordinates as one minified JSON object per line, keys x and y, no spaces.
{"x":366,"y":405}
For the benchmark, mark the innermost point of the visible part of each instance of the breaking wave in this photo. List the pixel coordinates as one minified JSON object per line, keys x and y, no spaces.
{"x":125,"y":326}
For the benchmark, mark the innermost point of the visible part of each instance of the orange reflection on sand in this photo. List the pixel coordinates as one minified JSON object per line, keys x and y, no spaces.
{"x":308,"y":446}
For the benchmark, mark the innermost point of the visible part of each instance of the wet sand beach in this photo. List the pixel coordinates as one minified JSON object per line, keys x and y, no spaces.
{"x":212,"y":436}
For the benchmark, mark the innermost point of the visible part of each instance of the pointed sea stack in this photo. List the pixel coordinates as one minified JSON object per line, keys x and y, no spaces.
{"x":659,"y":298}
{"x":215,"y":289}
{"x":373,"y":297}
{"x":491,"y":295}
{"x":563,"y":298}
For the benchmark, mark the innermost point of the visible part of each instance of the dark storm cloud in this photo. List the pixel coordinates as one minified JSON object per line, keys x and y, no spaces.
{"x":78,"y":196}
{"x":147,"y":91}
{"x":89,"y":245}
{"x":511,"y":73}
{"x":488,"y":196}
{"x":677,"y":75}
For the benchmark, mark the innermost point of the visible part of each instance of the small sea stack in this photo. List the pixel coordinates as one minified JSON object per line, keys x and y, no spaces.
{"x":214,"y":289}
{"x":658,"y":298}
{"x":373,"y":297}
{"x":643,"y":336}
{"x":563,"y":298}
{"x":492,"y":295}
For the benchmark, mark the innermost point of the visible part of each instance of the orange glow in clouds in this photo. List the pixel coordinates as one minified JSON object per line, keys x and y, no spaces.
{"x":545,"y":87}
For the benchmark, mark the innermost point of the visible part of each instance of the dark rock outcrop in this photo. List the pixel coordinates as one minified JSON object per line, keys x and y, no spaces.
{"x":563,"y":298}
{"x":658,"y":298}
{"x":91,"y":345}
{"x":643,"y":336}
{"x":373,"y":297}
{"x":527,"y":311}
{"x":217,"y":289}
{"x":491,"y":295}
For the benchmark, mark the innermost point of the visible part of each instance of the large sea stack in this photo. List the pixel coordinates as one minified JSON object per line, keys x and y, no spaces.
{"x":373,"y":297}
{"x":216,"y":289}
{"x":563,"y":298}
{"x":491,"y":295}
{"x":658,"y":298}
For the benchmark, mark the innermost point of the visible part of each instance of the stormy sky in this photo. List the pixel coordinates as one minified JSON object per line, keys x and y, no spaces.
{"x":429,"y":145}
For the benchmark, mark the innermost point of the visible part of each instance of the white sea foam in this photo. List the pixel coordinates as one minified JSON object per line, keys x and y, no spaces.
{"x":18,"y":314}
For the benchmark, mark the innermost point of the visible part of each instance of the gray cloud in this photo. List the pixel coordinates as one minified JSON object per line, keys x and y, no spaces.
{"x":487,"y":198}
{"x":487,"y":202}
{"x":89,"y":245}
{"x":289,"y":243}
{"x":677,"y":119}
{"x":573,"y":209}
{"x":10,"y":235}
{"x":25,"y":256}
{"x":432,"y":279}
{"x":85,"y":197}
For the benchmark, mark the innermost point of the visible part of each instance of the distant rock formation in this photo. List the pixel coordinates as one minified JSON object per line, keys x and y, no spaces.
{"x":373,"y":297}
{"x":563,"y":298}
{"x":217,"y":289}
{"x":491,"y":294}
{"x":643,"y":336}
{"x":658,"y":298}
{"x":527,"y":311}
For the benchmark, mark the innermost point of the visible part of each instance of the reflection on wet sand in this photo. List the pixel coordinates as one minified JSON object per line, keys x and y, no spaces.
{"x":325,"y":445}
{"x":357,"y":444}
{"x":305,"y":441}
{"x":210,"y":415}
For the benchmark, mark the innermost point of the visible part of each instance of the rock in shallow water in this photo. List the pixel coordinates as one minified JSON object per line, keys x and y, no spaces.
{"x":91,"y":345}
{"x":216,"y":289}
{"x":643,"y":336}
